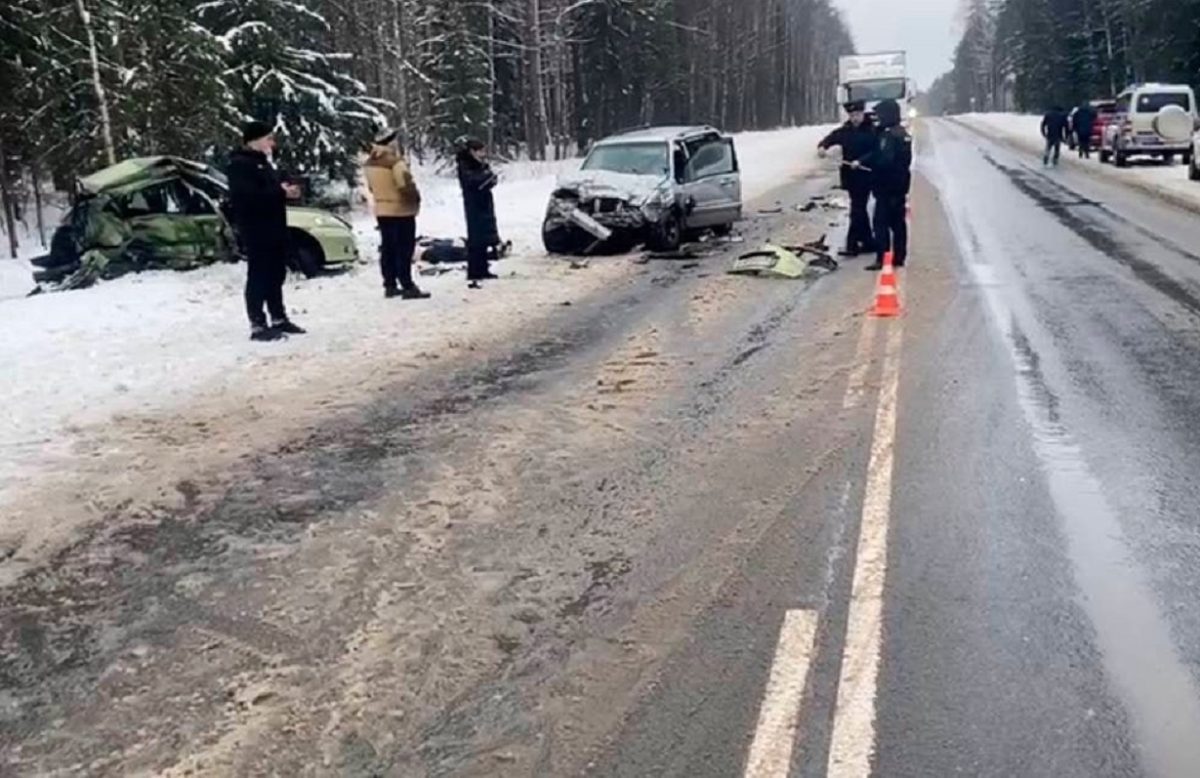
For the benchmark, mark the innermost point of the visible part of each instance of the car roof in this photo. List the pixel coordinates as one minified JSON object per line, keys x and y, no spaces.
{"x":1152,"y":87}
{"x":147,"y":170}
{"x":664,"y":134}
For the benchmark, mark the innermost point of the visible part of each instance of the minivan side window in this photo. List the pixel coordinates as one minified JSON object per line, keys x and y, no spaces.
{"x":713,"y":158}
{"x":1123,"y":103}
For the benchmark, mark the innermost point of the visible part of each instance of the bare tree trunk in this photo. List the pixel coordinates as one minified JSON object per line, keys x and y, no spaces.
{"x":110,"y":149}
{"x":491,"y":44}
{"x":37,"y":203}
{"x":7,"y":204}
{"x":535,"y":129}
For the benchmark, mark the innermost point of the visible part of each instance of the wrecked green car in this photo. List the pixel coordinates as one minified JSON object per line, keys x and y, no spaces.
{"x":170,"y":213}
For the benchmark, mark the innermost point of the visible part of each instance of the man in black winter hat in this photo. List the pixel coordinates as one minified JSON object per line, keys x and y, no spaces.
{"x":258,"y":200}
{"x":890,"y":164}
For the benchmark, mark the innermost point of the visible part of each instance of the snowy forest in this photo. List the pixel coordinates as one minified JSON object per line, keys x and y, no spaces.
{"x":1031,"y":54}
{"x":87,"y":82}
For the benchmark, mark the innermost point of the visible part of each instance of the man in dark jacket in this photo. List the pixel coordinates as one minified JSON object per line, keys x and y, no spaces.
{"x":1054,"y":130}
{"x":857,"y":139}
{"x":1083,"y":123}
{"x":890,"y":166}
{"x":258,"y":201}
{"x":477,"y":180}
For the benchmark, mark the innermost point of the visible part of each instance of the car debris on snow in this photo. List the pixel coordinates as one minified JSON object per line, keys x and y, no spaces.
{"x":775,"y":261}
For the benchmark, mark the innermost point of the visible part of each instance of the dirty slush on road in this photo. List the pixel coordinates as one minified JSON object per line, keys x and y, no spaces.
{"x":455,"y":579}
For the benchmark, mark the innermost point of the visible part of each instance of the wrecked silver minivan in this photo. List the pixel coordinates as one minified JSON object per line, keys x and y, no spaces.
{"x":650,"y":186}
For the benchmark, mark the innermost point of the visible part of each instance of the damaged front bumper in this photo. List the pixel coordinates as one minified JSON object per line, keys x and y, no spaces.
{"x":578,"y":224}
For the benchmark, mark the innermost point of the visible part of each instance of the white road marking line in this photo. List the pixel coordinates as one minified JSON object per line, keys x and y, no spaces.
{"x":857,"y":383}
{"x":779,"y":717}
{"x":853,"y":739}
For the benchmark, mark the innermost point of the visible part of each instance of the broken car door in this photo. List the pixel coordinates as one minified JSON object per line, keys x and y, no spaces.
{"x":711,"y":183}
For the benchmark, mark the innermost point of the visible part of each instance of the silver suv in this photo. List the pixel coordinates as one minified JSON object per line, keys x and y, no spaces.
{"x":648,"y":186}
{"x":1151,"y":119}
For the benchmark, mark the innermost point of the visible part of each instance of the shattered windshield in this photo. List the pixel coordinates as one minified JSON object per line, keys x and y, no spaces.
{"x":873,"y":91}
{"x":639,"y":159}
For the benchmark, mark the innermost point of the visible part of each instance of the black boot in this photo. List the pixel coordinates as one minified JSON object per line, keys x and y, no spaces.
{"x":391,"y":292}
{"x":287,"y":327}
{"x":415,"y":293}
{"x":263,"y":334}
{"x":876,"y":266}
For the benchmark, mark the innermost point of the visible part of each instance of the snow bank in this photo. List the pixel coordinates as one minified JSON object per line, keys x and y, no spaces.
{"x":156,"y":342}
{"x":1171,"y":183}
{"x":16,"y":275}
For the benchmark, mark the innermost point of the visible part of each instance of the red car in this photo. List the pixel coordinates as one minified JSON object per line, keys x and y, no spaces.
{"x":1105,"y":109}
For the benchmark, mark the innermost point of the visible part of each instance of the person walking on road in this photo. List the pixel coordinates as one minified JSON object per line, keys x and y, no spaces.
{"x":890,"y":166}
{"x":1083,"y":124}
{"x":857,"y":139}
{"x":1054,"y":130}
{"x":477,"y":180}
{"x":397,"y":204}
{"x":258,"y":201}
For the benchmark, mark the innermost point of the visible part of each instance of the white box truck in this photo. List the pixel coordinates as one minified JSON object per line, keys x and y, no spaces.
{"x":875,"y":77}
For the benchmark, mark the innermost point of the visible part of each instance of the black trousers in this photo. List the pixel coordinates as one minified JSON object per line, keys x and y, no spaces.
{"x":891,"y":226}
{"x":1085,"y":145}
{"x":1053,"y":149}
{"x":398,"y":244}
{"x":860,"y":236}
{"x":265,"y":274}
{"x":477,"y":260}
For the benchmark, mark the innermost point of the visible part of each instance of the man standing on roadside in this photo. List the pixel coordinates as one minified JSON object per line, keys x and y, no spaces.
{"x":1054,"y":130}
{"x":397,"y":204}
{"x":1083,"y":123}
{"x":857,"y":139}
{"x":258,"y":200}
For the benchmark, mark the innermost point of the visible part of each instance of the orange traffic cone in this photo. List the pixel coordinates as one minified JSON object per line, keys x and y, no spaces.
{"x":887,"y":297}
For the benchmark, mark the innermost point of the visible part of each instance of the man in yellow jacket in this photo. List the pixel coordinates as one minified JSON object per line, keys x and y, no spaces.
{"x":397,"y":203}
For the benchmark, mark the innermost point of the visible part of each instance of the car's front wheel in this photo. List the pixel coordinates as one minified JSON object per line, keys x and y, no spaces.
{"x":307,"y":256}
{"x":667,"y":235}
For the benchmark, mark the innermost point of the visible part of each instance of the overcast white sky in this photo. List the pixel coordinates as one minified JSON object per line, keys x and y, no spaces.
{"x":926,"y":29}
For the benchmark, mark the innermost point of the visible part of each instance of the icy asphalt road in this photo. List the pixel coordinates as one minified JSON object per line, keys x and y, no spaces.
{"x":695,"y":526}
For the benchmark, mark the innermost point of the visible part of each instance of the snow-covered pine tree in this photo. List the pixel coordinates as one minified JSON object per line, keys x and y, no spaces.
{"x":279,"y":70}
{"x":453,"y":58}
{"x":166,"y":92}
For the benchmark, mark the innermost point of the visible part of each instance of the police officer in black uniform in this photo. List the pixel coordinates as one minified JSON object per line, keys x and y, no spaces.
{"x":890,"y":166}
{"x":857,"y":138}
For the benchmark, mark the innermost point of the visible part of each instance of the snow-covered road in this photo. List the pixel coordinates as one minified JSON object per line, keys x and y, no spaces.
{"x":1169,"y":182}
{"x":150,"y":345}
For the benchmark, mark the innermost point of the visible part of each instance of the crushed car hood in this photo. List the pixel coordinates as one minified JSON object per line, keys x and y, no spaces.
{"x":605,"y":183}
